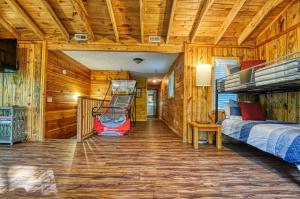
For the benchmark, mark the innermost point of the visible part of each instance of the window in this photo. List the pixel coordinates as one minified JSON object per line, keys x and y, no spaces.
{"x":171,"y":84}
{"x":219,"y":65}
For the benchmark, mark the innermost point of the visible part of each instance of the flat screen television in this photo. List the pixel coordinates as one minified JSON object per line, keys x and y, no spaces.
{"x":8,"y":56}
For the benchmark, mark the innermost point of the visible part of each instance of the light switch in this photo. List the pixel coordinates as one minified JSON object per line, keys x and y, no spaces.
{"x":49,"y":99}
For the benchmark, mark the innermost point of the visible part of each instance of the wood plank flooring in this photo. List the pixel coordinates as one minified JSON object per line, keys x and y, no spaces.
{"x":149,"y":163}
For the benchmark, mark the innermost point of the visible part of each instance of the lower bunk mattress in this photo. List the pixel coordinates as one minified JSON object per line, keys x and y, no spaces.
{"x":279,"y":139}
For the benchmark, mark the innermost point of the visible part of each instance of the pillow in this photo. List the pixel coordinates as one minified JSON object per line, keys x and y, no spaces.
{"x":227,"y":110}
{"x":235,"y":111}
{"x":252,"y":111}
{"x":230,"y":69}
{"x":233,"y":103}
{"x":251,"y":63}
{"x":232,"y":110}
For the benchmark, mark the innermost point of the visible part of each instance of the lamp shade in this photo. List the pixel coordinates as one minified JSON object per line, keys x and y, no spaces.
{"x":203,"y":75}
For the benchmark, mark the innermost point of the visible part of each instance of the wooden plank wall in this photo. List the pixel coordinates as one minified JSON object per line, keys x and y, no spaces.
{"x":282,"y":37}
{"x":100,"y":81}
{"x":62,"y":93}
{"x":141,"y":103}
{"x":198,"y":101}
{"x":26,"y":87}
{"x":172,"y":108}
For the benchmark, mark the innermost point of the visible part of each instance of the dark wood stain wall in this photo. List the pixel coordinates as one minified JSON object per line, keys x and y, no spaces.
{"x":282,"y":37}
{"x":26,"y":87}
{"x":171,"y":111}
{"x":66,"y":80}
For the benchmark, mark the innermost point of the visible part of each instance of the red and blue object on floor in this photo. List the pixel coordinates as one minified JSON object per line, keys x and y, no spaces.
{"x":115,"y":119}
{"x":112,"y":126}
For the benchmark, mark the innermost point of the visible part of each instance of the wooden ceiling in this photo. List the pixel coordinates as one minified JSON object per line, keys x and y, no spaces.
{"x":223,"y":22}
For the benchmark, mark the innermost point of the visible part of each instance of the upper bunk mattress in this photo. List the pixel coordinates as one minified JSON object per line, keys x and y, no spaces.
{"x":279,"y":139}
{"x":278,"y":73}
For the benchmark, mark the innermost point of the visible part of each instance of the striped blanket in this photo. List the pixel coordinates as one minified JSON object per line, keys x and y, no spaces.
{"x":279,"y":139}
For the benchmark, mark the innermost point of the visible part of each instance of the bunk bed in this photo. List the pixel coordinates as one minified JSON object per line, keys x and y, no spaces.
{"x":281,"y":139}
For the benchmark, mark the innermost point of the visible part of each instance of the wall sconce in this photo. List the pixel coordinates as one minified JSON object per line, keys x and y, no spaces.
{"x":75,"y":96}
{"x":203,"y":75}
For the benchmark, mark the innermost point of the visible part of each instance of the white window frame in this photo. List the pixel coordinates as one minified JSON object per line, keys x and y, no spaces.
{"x":171,"y":95}
{"x":214,"y":80}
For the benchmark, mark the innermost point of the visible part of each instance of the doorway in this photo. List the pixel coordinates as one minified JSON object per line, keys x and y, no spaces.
{"x":152,"y":102}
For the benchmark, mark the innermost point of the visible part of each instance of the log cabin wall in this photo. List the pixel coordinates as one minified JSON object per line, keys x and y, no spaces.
{"x":198,"y":101}
{"x":66,"y":80}
{"x":281,"y":37}
{"x":172,"y":108}
{"x":100,"y":81}
{"x":26,"y":87}
{"x":141,"y":102}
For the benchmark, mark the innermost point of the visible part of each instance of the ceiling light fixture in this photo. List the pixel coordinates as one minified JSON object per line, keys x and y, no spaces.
{"x":137,"y":60}
{"x":154,"y":81}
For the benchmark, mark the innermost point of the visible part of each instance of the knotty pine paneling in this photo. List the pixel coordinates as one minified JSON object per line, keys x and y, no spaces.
{"x":282,"y":37}
{"x":62,"y":92}
{"x":172,"y":108}
{"x":26,"y":87}
{"x":141,"y":102}
{"x":198,"y":101}
{"x":100,"y":81}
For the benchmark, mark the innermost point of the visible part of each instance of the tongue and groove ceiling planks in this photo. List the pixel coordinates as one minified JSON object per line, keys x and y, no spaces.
{"x":128,"y":22}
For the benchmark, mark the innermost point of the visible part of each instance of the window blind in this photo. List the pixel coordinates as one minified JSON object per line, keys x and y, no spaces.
{"x":219,"y":72}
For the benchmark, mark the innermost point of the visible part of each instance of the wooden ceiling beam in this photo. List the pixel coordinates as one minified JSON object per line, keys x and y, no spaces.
{"x":9,"y":27}
{"x":79,"y":8}
{"x":230,"y":17}
{"x":171,"y":20}
{"x":142,"y":20}
{"x":27,"y":19}
{"x":202,"y":11}
{"x":113,"y":19}
{"x":137,"y":47}
{"x":255,"y":21}
{"x":57,"y":21}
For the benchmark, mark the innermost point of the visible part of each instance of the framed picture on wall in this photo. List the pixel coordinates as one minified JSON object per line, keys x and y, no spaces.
{"x":138,"y":92}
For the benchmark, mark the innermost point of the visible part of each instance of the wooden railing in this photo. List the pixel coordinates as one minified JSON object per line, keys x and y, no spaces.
{"x":85,"y":119}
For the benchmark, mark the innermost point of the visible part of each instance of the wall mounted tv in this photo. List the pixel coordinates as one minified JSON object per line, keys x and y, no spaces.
{"x":8,"y":56}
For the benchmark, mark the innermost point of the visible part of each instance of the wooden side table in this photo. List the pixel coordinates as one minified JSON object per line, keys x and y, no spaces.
{"x":211,"y":129}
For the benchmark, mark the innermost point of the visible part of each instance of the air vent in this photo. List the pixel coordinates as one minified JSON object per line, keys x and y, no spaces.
{"x":81,"y":37}
{"x":154,"y":39}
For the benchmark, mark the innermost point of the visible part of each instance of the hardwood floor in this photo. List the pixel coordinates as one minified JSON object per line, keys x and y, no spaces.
{"x":149,"y":163}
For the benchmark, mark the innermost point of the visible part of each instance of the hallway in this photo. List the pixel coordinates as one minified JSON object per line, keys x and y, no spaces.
{"x":151,"y":162}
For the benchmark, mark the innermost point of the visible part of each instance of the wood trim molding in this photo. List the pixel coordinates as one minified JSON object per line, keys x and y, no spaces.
{"x":205,"y":6}
{"x":279,"y":35}
{"x":262,"y":13}
{"x":57,"y":21}
{"x":9,"y":27}
{"x":142,"y":20}
{"x":138,"y":47}
{"x":27,"y":19}
{"x":113,"y":20}
{"x":79,"y":8}
{"x":171,"y":20}
{"x":230,"y":17}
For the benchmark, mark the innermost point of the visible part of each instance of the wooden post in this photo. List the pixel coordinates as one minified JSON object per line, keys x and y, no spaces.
{"x":219,"y":138}
{"x":196,"y":138}
{"x":190,"y":134}
{"x":79,"y":118}
{"x":210,"y":137}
